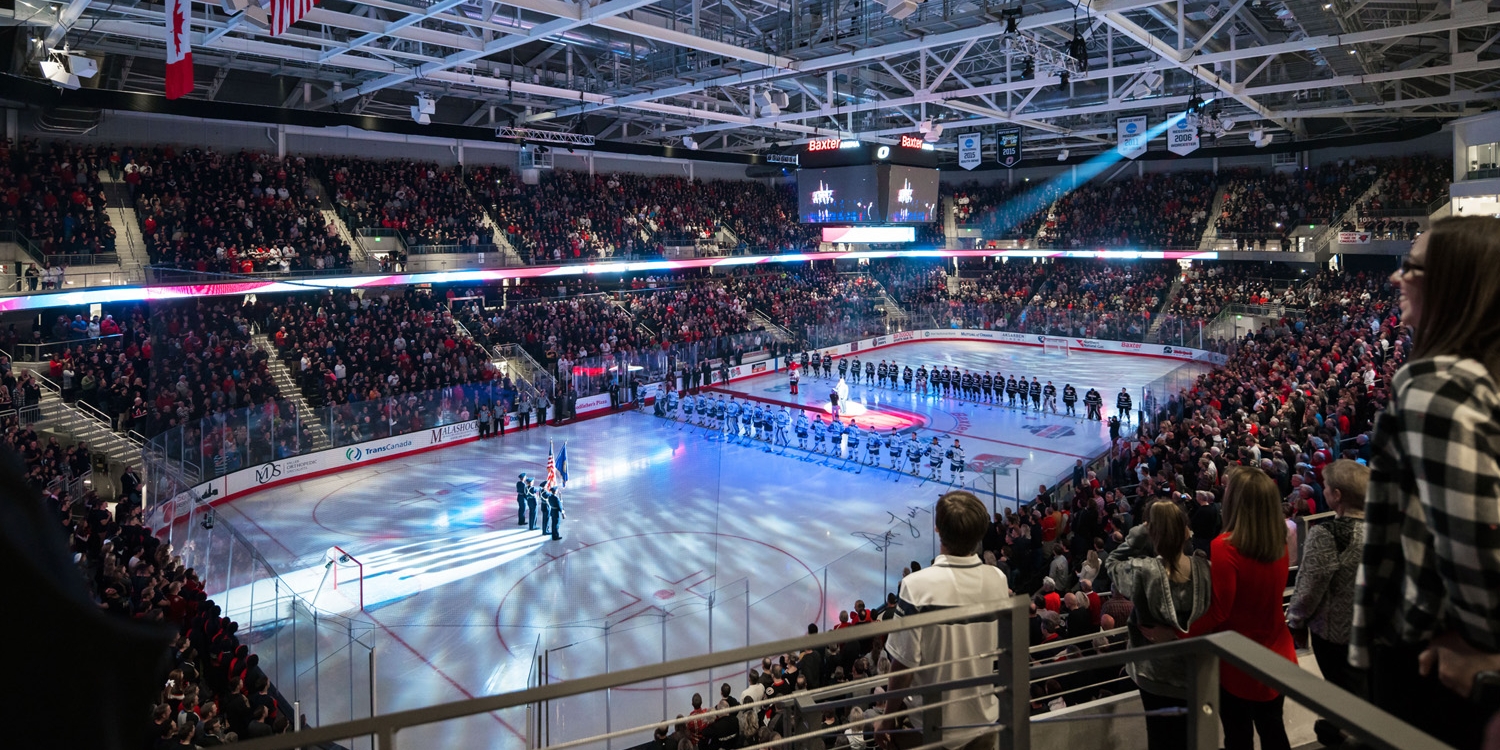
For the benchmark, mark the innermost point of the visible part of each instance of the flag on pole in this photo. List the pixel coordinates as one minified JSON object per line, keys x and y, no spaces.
{"x":284,"y":13}
{"x":551,"y":482}
{"x":179,"y":49}
{"x":562,"y":463}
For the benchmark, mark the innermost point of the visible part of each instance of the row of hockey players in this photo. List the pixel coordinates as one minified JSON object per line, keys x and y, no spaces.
{"x":749,"y":422}
{"x":989,"y":388}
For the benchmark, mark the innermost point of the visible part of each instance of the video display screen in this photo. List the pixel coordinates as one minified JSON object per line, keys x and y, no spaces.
{"x":911,"y":195}
{"x":839,"y":194}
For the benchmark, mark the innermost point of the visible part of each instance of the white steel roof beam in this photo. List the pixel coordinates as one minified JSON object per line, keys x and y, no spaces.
{"x":579,"y":16}
{"x":847,"y":59}
{"x":392,"y":27}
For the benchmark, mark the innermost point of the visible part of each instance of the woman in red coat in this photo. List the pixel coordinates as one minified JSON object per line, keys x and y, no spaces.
{"x":1249,"y":578}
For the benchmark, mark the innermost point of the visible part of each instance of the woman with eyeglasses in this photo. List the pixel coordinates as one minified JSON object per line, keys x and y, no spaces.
{"x":1427,"y":606}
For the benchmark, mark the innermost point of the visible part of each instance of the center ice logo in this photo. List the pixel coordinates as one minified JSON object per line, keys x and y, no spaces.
{"x":986,"y":461}
{"x":1051,"y":431}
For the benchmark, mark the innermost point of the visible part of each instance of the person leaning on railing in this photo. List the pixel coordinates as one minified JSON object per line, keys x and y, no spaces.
{"x":1169,"y":590}
{"x":1427,"y":606}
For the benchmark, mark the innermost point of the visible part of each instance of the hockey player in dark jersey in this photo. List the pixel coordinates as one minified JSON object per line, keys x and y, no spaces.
{"x":1070,"y":400}
{"x":827,"y":366}
{"x":869,"y":373}
{"x":854,"y":371}
{"x":1036,"y":394}
{"x":922,"y":379}
{"x":880,"y":373}
{"x":987,"y":386}
{"x":1049,"y":397}
{"x":1094,"y":403}
{"x":843,"y":367}
{"x":1123,"y":404}
{"x":906,"y":376}
{"x":1011,"y":389}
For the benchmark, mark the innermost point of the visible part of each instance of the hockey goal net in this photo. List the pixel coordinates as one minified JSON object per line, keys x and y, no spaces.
{"x":348,"y":576}
{"x":1057,"y":346}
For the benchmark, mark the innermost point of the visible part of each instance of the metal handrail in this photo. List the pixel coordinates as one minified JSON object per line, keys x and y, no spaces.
{"x":1013,"y":612}
{"x":1366,"y":722}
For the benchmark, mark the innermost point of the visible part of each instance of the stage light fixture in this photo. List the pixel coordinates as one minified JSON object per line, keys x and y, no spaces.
{"x":423,"y":110}
{"x":1078,"y":49}
{"x":1028,"y":69}
{"x":688,"y":141}
{"x":1012,"y":16}
{"x":1062,"y":155}
{"x":59,"y":75}
{"x":900,"y":9}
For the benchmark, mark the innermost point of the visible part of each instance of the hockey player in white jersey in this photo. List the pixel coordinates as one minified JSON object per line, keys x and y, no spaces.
{"x":802,"y":429}
{"x":782,"y":419}
{"x":836,"y":438}
{"x":872,"y":456}
{"x":732,"y":420}
{"x":893,"y":446}
{"x":913,"y":454}
{"x":934,"y":460}
{"x":820,"y":434}
{"x":852,"y":435}
{"x":956,"y":463}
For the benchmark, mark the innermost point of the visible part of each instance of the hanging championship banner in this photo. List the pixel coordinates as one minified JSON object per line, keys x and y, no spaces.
{"x":1182,"y":137}
{"x":1132,"y":136}
{"x":969,"y":155}
{"x":1010,"y":147}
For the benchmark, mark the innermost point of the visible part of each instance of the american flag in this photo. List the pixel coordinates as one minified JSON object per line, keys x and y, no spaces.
{"x":284,"y":13}
{"x":551,"y":482}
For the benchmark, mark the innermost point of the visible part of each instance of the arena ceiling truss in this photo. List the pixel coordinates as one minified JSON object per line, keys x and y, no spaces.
{"x":757,"y":75}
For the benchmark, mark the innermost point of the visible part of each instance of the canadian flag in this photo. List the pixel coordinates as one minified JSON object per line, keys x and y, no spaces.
{"x":179,"y":49}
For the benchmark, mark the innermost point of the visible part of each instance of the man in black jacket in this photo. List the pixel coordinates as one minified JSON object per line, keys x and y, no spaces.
{"x":521,"y":493}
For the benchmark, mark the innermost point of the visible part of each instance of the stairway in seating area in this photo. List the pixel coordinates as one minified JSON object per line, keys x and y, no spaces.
{"x":287,"y":385}
{"x":130,"y":244}
{"x":79,"y":421}
{"x":1161,"y":312}
{"x":1211,"y":231}
{"x":498,"y":236}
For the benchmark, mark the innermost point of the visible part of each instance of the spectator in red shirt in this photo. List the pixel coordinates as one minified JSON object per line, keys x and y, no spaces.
{"x":1050,"y":597}
{"x":696,"y":727}
{"x":1249,"y":578}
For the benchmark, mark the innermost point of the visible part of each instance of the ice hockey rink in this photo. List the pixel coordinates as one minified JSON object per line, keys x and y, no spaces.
{"x":676,"y":542}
